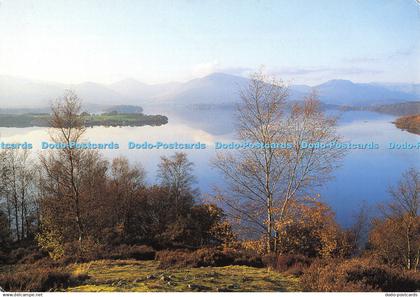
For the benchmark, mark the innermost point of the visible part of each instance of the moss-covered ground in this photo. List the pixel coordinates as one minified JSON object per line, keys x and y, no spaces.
{"x":145,"y":276}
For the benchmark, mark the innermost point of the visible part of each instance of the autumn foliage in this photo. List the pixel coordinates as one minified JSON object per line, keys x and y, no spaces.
{"x":309,"y":229}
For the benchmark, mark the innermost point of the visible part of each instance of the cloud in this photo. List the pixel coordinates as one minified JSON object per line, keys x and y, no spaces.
{"x":354,"y":70}
{"x":362,"y":60}
{"x":204,"y":69}
{"x":241,"y":71}
{"x":398,"y":54}
{"x":403,"y":53}
{"x":299,"y":71}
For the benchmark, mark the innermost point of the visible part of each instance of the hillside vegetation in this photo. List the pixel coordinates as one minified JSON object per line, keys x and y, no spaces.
{"x":410,"y":123}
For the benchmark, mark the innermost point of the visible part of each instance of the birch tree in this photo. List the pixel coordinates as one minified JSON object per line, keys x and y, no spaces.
{"x":262,"y":180}
{"x":63,"y":168}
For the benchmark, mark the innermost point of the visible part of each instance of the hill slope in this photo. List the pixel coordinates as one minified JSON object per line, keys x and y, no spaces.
{"x":410,"y":123}
{"x":345,"y":92}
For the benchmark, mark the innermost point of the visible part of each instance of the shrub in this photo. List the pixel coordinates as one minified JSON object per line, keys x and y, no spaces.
{"x":245,"y":257}
{"x":258,"y":246}
{"x":358,"y":275}
{"x":33,"y":256}
{"x":39,"y":280}
{"x":178,"y":258}
{"x":51,"y":240}
{"x":16,"y":255}
{"x":137,"y":252}
{"x":91,"y":250}
{"x":3,"y":258}
{"x":204,"y":257}
{"x":22,"y":255}
{"x":94,"y":251}
{"x":288,"y":263}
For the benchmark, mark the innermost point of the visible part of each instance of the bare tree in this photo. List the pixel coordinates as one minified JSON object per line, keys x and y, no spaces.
{"x":360,"y":228}
{"x":25,"y":188}
{"x":404,"y":214}
{"x":277,"y":168}
{"x":4,"y":230}
{"x":125,"y":183}
{"x":17,"y":187}
{"x":5,"y":197}
{"x":175,"y":174}
{"x":64,"y":168}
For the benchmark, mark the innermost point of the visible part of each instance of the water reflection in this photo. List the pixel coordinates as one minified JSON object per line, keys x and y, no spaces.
{"x":364,"y":175}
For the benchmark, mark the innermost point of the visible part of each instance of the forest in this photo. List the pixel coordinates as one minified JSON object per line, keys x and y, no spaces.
{"x":72,"y":208}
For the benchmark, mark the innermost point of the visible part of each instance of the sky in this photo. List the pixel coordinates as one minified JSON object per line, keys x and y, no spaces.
{"x":175,"y":40}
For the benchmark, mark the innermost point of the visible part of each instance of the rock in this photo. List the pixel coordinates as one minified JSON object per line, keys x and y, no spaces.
{"x":199,"y":288}
{"x":120,"y":283}
{"x":151,"y":276}
{"x":233,"y":287}
{"x":223,"y":290}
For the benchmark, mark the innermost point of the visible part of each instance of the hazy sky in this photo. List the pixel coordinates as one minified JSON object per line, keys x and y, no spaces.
{"x":157,"y":41}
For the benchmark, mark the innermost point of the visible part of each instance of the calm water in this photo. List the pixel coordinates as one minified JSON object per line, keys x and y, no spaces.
{"x":361,"y":181}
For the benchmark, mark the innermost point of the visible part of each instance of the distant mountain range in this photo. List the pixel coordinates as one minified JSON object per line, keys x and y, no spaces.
{"x":216,"y":88}
{"x":398,"y":109}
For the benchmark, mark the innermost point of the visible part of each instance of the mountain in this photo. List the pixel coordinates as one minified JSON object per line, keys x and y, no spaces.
{"x":213,"y":89}
{"x":398,"y":109}
{"x":404,"y":108}
{"x":96,"y":93}
{"x":19,"y":92}
{"x":301,"y":88}
{"x":134,"y":90}
{"x":402,"y":87}
{"x":220,"y":88}
{"x":345,"y":92}
{"x":216,"y":88}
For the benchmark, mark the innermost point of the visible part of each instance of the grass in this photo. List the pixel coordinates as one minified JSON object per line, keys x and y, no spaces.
{"x":145,"y":276}
{"x":23,"y":120}
{"x":125,"y":119}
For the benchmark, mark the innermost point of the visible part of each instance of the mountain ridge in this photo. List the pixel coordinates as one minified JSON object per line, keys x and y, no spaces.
{"x":215,"y":88}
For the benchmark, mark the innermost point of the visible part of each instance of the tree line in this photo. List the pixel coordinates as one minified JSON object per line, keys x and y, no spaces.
{"x":69,"y":201}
